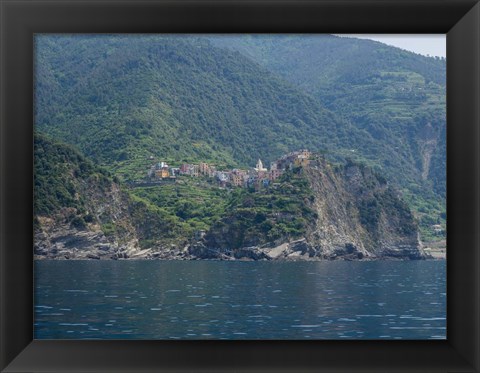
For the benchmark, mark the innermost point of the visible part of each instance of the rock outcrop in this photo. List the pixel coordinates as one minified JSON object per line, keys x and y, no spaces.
{"x":359,"y":215}
{"x":80,"y":212}
{"x":65,"y":234}
{"x":352,"y":214}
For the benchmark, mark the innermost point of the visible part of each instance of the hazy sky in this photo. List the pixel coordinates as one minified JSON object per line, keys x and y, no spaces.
{"x":433,"y":45}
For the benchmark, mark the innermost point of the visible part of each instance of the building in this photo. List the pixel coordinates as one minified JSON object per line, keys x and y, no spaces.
{"x":184,"y":168}
{"x":274,"y":174}
{"x":162,"y":173}
{"x":239,"y":177}
{"x":301,"y":161}
{"x":151,"y":172}
{"x":259,"y":166}
{"x":304,"y":153}
{"x":194,"y":170}
{"x":236,"y":179}
{"x":263,"y":174}
{"x":189,"y":169}
{"x":204,"y":168}
{"x":303,"y":158}
{"x":222,"y":176}
{"x":257,"y":177}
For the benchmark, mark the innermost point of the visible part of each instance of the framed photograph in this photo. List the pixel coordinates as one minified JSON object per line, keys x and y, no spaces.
{"x":230,"y":186}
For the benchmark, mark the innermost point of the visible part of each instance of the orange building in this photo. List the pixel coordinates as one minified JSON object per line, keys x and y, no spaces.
{"x":162,"y":173}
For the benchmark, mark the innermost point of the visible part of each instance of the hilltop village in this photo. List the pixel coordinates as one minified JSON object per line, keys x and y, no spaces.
{"x":257,"y":177}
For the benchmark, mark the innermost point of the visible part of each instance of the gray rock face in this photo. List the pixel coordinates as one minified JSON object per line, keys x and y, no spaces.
{"x":295,"y":250}
{"x":63,"y":242}
{"x":358,"y":216}
{"x":200,"y":251}
{"x":56,"y":237}
{"x":250,"y":253}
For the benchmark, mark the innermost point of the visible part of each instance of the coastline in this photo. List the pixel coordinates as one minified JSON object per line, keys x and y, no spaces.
{"x":438,"y":249}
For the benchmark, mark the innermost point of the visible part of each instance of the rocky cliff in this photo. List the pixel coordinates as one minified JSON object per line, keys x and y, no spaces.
{"x":333,"y":212}
{"x":359,"y":215}
{"x":314,"y":212}
{"x":80,"y":212}
{"x":108,"y":234}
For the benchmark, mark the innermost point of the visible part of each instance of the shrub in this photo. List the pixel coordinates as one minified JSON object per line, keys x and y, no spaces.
{"x":78,"y":222}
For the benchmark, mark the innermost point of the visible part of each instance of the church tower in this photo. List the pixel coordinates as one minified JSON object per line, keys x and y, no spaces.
{"x":260,"y":166}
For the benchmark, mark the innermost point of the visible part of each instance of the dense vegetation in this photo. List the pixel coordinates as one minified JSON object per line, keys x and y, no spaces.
{"x":58,"y":172}
{"x":194,"y":203}
{"x":122,"y":99}
{"x":257,"y":217}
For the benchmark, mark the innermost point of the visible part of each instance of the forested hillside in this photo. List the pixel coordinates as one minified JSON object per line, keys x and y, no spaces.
{"x":398,"y":97}
{"x":120,"y":99}
{"x":59,"y":172}
{"x":123,"y":100}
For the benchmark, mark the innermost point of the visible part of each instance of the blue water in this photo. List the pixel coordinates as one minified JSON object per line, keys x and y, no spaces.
{"x":240,"y":300}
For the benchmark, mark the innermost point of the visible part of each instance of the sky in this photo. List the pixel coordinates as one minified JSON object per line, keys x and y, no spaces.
{"x":426,"y":44}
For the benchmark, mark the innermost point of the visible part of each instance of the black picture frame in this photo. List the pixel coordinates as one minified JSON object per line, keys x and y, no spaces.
{"x":459,"y":19}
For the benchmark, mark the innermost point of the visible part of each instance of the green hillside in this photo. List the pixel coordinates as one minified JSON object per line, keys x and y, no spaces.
{"x":122,"y":99}
{"x":126,"y":100}
{"x":74,"y":193}
{"x":397,"y":97}
{"x":59,"y":170}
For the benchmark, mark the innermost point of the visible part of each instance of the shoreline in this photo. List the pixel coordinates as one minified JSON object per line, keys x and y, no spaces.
{"x":385,"y":259}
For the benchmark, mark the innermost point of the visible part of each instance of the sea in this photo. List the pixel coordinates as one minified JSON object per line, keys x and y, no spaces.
{"x":232,"y":300}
